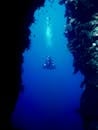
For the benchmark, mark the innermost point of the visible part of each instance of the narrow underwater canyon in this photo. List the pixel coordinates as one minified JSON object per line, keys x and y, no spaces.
{"x":85,"y":54}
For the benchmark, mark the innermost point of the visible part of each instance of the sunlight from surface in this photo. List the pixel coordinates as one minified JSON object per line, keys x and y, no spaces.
{"x":48,"y":32}
{"x":48,"y":29}
{"x":46,"y":20}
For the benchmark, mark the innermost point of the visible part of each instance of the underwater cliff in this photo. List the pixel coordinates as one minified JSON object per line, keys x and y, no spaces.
{"x":82,"y":34}
{"x":19,"y":18}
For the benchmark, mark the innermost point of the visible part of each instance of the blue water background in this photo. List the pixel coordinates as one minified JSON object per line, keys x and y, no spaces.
{"x":50,"y":97}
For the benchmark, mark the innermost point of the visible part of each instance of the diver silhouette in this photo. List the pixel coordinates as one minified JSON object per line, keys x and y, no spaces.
{"x":49,"y":63}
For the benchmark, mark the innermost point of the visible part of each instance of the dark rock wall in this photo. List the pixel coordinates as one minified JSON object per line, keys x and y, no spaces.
{"x":82,"y":33}
{"x":17,"y":17}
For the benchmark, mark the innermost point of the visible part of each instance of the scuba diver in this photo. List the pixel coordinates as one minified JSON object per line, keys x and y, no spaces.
{"x":49,"y":63}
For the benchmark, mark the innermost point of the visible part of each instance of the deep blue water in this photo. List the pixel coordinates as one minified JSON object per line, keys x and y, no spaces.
{"x":50,"y":97}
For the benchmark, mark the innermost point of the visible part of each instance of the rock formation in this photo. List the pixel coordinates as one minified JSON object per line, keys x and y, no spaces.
{"x":82,"y":33}
{"x":17,"y":17}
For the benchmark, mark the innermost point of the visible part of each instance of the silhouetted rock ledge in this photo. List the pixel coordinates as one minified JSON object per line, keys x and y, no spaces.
{"x":17,"y":17}
{"x":82,"y":33}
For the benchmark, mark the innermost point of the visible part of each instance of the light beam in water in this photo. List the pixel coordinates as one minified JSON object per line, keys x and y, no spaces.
{"x":48,"y":32}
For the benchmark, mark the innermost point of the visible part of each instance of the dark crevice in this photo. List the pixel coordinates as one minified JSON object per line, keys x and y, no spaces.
{"x":18,"y":17}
